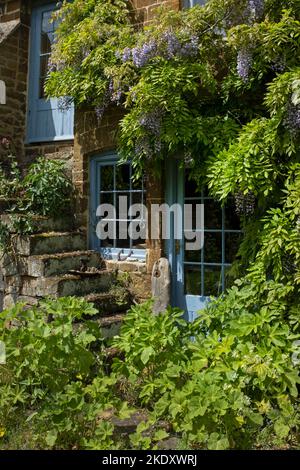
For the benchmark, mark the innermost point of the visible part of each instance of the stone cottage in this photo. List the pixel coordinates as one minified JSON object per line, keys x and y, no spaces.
{"x":36,"y":126}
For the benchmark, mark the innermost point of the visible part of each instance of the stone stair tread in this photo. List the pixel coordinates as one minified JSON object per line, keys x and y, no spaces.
{"x":110,"y":320}
{"x":46,"y":243}
{"x":63,"y":255}
{"x":65,"y":285}
{"x":54,"y":234}
{"x":72,"y":277}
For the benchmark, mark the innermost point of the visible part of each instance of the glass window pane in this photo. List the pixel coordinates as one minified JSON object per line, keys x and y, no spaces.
{"x":122,"y":205}
{"x":213,"y":214}
{"x":47,"y":24}
{"x":137,"y":184}
{"x":44,"y":66}
{"x":213,"y":248}
{"x":122,"y":234}
{"x":107,"y":198}
{"x":46,"y":41}
{"x":191,"y":189}
{"x":137,"y":198}
{"x":192,"y":3}
{"x":193,"y":215}
{"x":139,"y":233}
{"x":232,"y":242}
{"x":122,"y":177}
{"x":113,"y":179}
{"x":193,"y":256}
{"x":139,"y":244}
{"x":107,"y":178}
{"x":212,"y":281}
{"x":192,"y":280}
{"x":107,"y":243}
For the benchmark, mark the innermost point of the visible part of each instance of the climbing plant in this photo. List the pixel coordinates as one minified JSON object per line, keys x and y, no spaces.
{"x":219,"y":85}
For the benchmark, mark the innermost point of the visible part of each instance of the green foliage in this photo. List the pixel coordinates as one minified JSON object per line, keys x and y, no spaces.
{"x":229,"y":380}
{"x":89,"y":34}
{"x":52,"y":376}
{"x":45,"y":190}
{"x":234,"y":380}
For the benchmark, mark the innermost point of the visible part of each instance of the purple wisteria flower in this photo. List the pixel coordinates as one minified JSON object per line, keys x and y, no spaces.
{"x":55,"y":66}
{"x":142,"y":55}
{"x":100,"y":109}
{"x":126,"y":54}
{"x":115,"y":92}
{"x":152,"y":121}
{"x":292,"y":119}
{"x":52,"y":67}
{"x":279,"y":65}
{"x":244,"y":62}
{"x":190,"y":49}
{"x":169,"y":46}
{"x":143,"y":148}
{"x":173,"y":45}
{"x":255,"y":10}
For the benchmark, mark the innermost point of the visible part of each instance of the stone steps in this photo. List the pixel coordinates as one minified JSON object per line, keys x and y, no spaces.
{"x":43,"y":224}
{"x":54,"y":262}
{"x":117,"y":300}
{"x":61,"y":263}
{"x":51,"y":243}
{"x":67,"y":285}
{"x":110,"y":326}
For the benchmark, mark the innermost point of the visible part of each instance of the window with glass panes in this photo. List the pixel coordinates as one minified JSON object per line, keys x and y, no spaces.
{"x":112,"y":181}
{"x":206,"y":271}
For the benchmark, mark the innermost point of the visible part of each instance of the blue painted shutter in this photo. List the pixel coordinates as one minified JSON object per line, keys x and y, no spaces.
{"x":46,"y":122}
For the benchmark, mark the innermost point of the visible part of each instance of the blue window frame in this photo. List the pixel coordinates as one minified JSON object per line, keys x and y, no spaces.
{"x":46,"y":121}
{"x":108,"y":181}
{"x":199,"y":275}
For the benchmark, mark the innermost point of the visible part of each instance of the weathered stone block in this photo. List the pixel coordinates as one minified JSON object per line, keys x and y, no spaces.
{"x":62,"y":263}
{"x":64,"y":286}
{"x":49,"y":243}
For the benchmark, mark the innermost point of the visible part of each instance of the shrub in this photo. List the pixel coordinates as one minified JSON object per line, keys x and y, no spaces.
{"x":229,"y":380}
{"x":47,"y":188}
{"x":233,"y":384}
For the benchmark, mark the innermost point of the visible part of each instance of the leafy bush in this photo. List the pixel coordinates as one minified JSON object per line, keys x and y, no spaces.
{"x":234,"y":385}
{"x":229,"y":380}
{"x":47,"y":188}
{"x":44,"y":190}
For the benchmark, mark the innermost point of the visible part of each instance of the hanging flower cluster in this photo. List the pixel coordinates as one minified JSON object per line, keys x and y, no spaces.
{"x":244,"y":62}
{"x":113,"y":94}
{"x":150,"y":143}
{"x":254,"y":10}
{"x":169,"y":46}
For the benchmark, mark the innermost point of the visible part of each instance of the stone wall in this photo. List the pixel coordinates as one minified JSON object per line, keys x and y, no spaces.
{"x":145,"y":9}
{"x":14,"y":65}
{"x":14,"y":39}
